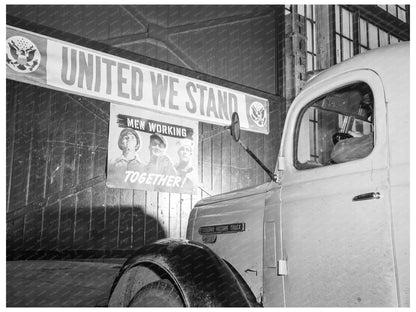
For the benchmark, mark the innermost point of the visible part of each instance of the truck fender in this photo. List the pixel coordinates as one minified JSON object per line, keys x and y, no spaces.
{"x":200,"y":276}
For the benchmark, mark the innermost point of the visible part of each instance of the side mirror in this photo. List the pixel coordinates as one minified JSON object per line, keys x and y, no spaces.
{"x":235,"y":133}
{"x":235,"y":126}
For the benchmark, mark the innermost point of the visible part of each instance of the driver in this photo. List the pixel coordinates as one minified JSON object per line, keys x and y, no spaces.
{"x":355,"y":145}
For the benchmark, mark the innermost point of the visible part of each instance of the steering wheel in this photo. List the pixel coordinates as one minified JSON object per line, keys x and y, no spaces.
{"x":340,"y":136}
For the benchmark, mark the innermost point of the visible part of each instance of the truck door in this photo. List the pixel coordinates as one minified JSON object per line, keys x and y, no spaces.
{"x":336,"y":223}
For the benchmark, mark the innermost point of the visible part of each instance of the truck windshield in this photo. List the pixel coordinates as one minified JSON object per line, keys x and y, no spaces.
{"x":336,"y":128}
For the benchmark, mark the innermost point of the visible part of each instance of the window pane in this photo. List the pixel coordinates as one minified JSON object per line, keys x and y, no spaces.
{"x":337,"y":128}
{"x":346,"y":49}
{"x":401,"y":14}
{"x":363,"y":32}
{"x":384,"y":38}
{"x":309,"y":11}
{"x":337,"y":19}
{"x":309,"y":62}
{"x":372,"y":36}
{"x":304,"y":139}
{"x":338,"y":49}
{"x":393,"y":39}
{"x":309,"y":35}
{"x":301,"y":10}
{"x":346,"y":23}
{"x":392,"y":9}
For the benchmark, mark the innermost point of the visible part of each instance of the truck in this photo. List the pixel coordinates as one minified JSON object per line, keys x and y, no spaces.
{"x":331,"y":228}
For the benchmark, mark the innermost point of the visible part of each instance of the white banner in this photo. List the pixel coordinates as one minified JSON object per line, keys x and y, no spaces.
{"x":63,"y":66}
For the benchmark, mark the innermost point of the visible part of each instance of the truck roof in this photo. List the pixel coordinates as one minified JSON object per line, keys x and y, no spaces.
{"x":382,"y":60}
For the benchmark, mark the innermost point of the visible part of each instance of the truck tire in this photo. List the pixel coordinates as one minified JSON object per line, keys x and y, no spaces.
{"x":157,"y":294}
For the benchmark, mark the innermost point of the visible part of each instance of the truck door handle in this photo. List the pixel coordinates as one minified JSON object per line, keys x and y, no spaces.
{"x":367,"y":196}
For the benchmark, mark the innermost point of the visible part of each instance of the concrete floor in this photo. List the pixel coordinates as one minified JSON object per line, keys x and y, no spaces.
{"x":49,"y":283}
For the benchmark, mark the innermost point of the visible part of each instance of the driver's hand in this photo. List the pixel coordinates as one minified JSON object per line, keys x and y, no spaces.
{"x":355,"y":134}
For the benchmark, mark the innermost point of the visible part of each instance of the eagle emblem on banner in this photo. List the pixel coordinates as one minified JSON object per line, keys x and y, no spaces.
{"x":258,"y":114}
{"x":22,"y":55}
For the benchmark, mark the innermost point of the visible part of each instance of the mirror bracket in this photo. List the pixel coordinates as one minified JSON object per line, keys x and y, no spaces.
{"x":235,"y":133}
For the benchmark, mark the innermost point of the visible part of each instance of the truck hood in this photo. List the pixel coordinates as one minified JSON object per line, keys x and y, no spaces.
{"x":231,"y":225}
{"x":249,"y":191}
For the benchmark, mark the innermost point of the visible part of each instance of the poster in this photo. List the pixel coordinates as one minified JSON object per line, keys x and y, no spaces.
{"x":149,"y":151}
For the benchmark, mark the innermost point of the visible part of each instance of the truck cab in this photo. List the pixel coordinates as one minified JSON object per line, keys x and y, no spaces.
{"x":332,"y":231}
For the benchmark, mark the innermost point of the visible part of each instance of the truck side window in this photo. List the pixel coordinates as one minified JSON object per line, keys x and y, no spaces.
{"x":336,"y":128}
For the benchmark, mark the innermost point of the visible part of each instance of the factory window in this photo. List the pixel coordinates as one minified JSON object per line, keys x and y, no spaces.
{"x":398,"y":11}
{"x":307,"y":11}
{"x":343,"y":34}
{"x":349,"y":40}
{"x":372,"y":37}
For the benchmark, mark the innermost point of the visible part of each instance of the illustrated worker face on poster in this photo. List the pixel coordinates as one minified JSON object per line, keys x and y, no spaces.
{"x":151,"y":151}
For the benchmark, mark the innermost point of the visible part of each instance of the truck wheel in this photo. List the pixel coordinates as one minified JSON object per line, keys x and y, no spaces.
{"x":157,"y":294}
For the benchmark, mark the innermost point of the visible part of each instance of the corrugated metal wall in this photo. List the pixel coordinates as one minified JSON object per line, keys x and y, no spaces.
{"x":57,"y":200}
